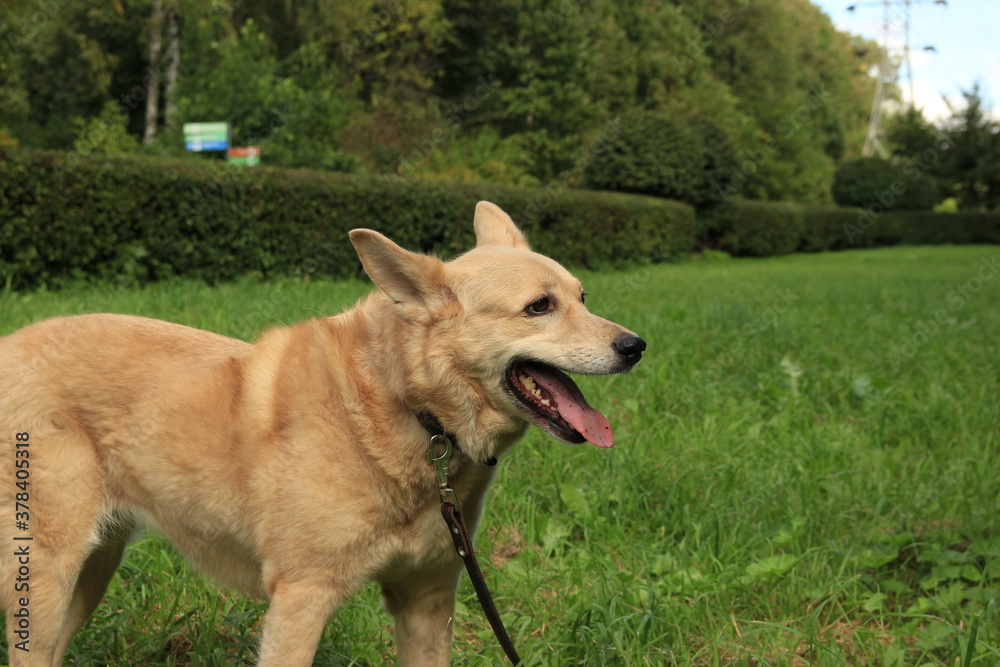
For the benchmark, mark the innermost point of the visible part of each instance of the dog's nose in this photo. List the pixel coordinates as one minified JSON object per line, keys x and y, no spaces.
{"x":630,"y":347}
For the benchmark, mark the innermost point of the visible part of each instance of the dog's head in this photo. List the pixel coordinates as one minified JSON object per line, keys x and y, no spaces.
{"x":491,"y":336}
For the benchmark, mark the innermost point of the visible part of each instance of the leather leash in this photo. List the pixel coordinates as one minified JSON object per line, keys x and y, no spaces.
{"x":452,"y":513}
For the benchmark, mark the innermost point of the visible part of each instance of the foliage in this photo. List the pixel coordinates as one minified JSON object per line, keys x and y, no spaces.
{"x":362,"y":85}
{"x":655,"y":155}
{"x":209,"y":221}
{"x":795,"y":77}
{"x":67,"y":60}
{"x":212,"y":222}
{"x":476,"y":156}
{"x":963,"y":155}
{"x":824,"y":229}
{"x":927,"y":228}
{"x":909,"y":135}
{"x":291,"y":109}
{"x":768,"y":228}
{"x":538,"y":56}
{"x":873,"y":182}
{"x":971,"y":164}
{"x":106,"y":134}
{"x":788,"y":485}
{"x":760,"y":229}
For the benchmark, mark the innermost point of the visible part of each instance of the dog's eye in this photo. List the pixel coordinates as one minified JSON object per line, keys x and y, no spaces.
{"x":539,"y":306}
{"x":583,"y":297}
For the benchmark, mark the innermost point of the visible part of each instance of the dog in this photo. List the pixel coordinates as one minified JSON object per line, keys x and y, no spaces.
{"x":292,"y":468}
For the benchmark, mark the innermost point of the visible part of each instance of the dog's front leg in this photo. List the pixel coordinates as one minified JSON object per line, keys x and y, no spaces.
{"x":294,"y":622}
{"x":424,"y":610}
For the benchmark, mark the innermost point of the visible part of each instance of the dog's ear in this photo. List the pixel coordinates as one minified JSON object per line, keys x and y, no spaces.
{"x":408,"y":278}
{"x":494,"y":227}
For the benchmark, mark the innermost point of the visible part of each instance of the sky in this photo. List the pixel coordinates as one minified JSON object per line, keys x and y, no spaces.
{"x":965,"y":35}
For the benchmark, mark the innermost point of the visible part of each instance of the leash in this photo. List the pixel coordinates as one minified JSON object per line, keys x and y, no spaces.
{"x":452,"y":513}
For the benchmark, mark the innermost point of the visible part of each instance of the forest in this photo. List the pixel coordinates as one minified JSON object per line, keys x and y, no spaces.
{"x":766,"y":97}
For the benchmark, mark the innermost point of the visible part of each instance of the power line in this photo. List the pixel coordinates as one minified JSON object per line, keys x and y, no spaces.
{"x":887,"y":70}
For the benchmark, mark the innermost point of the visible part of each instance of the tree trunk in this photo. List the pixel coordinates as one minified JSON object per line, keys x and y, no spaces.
{"x":153,"y":86}
{"x":173,"y":65}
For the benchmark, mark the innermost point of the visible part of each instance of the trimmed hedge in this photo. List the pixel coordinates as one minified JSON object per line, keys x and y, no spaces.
{"x":760,"y":229}
{"x":772,"y":228}
{"x":64,"y":218}
{"x":132,"y":219}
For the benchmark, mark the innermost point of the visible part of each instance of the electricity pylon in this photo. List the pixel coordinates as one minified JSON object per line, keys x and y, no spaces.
{"x":887,"y":69}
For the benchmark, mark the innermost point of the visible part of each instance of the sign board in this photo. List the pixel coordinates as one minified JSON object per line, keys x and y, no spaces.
{"x":206,"y":136}
{"x":248,"y":156}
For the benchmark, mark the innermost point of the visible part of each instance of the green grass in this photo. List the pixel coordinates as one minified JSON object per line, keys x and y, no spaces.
{"x":806,"y":473}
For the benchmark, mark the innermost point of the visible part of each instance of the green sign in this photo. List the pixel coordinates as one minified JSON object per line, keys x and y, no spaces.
{"x":206,"y":136}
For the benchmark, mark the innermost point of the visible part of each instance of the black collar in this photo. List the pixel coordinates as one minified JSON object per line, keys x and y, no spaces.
{"x":433,"y":426}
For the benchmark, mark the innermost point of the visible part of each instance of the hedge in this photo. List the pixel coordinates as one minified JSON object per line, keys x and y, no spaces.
{"x":831,"y":228}
{"x":761,"y":229}
{"x":64,"y":218}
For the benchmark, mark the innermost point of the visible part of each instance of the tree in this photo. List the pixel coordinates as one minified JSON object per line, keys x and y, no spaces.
{"x":971,"y":163}
{"x":538,"y":59}
{"x":293,"y":109}
{"x":867,"y":182}
{"x":153,"y":89}
{"x":69,"y":59}
{"x":173,"y":65}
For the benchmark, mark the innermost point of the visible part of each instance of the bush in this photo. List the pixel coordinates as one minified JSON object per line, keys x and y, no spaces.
{"x":824,"y":229}
{"x":871,"y":182}
{"x":761,"y":229}
{"x":920,"y":228}
{"x":769,"y":228}
{"x":64,"y":218}
{"x":655,"y":155}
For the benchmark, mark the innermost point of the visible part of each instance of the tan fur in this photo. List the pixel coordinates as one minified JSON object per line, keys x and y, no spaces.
{"x":292,"y":468}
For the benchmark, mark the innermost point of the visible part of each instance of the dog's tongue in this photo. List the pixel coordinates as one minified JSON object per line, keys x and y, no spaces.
{"x":573,"y":406}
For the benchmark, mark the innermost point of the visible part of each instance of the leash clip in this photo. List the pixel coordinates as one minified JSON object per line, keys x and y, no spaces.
{"x":452,"y":514}
{"x":440,"y":464}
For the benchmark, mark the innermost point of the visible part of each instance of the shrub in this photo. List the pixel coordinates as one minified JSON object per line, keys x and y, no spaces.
{"x":64,"y":217}
{"x":760,"y":229}
{"x":870,"y":182}
{"x":824,"y":229}
{"x":927,"y":228}
{"x":653,"y":154}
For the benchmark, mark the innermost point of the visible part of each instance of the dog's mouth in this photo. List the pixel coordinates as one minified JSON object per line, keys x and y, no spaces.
{"x":553,"y":401}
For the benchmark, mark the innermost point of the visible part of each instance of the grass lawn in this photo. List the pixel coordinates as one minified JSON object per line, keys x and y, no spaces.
{"x":807,"y":473}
